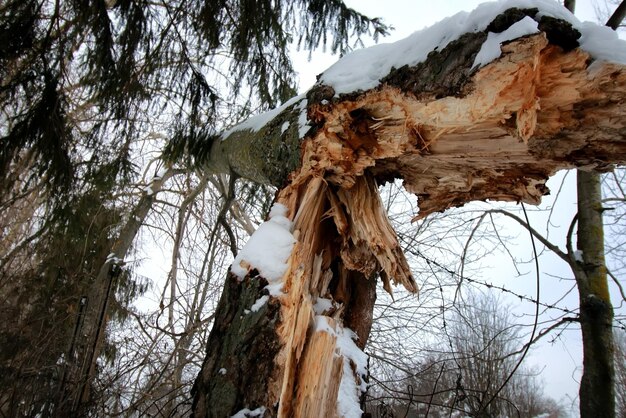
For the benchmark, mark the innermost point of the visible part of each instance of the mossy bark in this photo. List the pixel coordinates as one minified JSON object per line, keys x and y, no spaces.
{"x":597,"y":386}
{"x":266,"y":155}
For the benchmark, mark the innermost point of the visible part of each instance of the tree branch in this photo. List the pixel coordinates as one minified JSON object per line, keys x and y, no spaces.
{"x":556,"y":250}
{"x":618,"y":16}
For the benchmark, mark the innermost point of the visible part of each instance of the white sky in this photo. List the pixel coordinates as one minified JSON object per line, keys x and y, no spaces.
{"x":560,"y":362}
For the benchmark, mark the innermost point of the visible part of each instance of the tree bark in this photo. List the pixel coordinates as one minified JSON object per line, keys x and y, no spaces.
{"x":454,"y":133}
{"x":597,"y":386}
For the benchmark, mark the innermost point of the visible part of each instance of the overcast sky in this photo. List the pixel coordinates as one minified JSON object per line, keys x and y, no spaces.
{"x":559,"y":361}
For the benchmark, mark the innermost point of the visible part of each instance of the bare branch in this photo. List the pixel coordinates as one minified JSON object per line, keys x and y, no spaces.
{"x":556,"y":250}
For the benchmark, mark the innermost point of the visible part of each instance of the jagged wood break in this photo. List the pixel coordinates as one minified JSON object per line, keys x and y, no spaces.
{"x":453,"y":134}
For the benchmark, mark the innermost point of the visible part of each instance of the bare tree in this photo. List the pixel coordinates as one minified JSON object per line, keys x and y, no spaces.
{"x":470,"y":369}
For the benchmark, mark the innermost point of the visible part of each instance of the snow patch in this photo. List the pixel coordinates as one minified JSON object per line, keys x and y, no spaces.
{"x":321,"y":324}
{"x":275,"y":289}
{"x":222,"y":371}
{"x":303,"y":121}
{"x":259,"y":303}
{"x":268,"y":250}
{"x":113,"y":258}
{"x":602,"y":43}
{"x":247,"y":413}
{"x":363,"y":69}
{"x":348,"y":404}
{"x":256,"y":123}
{"x":490,"y":49}
{"x":284,"y":127}
{"x":322,"y":305}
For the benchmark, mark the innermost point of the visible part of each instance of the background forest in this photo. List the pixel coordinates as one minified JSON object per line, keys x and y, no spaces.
{"x":114,"y":241}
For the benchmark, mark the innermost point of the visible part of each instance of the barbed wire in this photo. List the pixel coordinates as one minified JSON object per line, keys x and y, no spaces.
{"x":620,"y":324}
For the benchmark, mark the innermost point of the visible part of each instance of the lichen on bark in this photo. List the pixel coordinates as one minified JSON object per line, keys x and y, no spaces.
{"x":267,"y":155}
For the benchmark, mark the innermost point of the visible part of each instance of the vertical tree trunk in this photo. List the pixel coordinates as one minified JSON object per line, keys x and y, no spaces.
{"x":597,"y":386}
{"x":83,"y":356}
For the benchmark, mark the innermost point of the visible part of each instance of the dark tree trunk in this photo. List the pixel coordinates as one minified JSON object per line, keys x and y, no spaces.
{"x":241,"y":349}
{"x":618,"y":16}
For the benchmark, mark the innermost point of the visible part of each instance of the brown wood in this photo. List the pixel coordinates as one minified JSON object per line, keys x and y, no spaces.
{"x":319,"y":376}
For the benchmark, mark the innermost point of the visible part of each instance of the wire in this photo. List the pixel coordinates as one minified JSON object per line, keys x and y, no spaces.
{"x":532,"y":334}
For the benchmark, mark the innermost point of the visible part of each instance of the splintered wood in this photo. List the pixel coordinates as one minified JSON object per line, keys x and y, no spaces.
{"x":343,"y":239}
{"x":370,"y":234}
{"x":534,"y":111}
{"x":499,"y":134}
{"x":500,"y":139}
{"x":319,"y":377}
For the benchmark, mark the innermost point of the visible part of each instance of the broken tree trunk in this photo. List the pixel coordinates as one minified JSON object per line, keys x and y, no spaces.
{"x":288,"y":343}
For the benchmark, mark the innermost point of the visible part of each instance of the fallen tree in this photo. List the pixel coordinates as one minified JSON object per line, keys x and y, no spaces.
{"x":483,"y":106}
